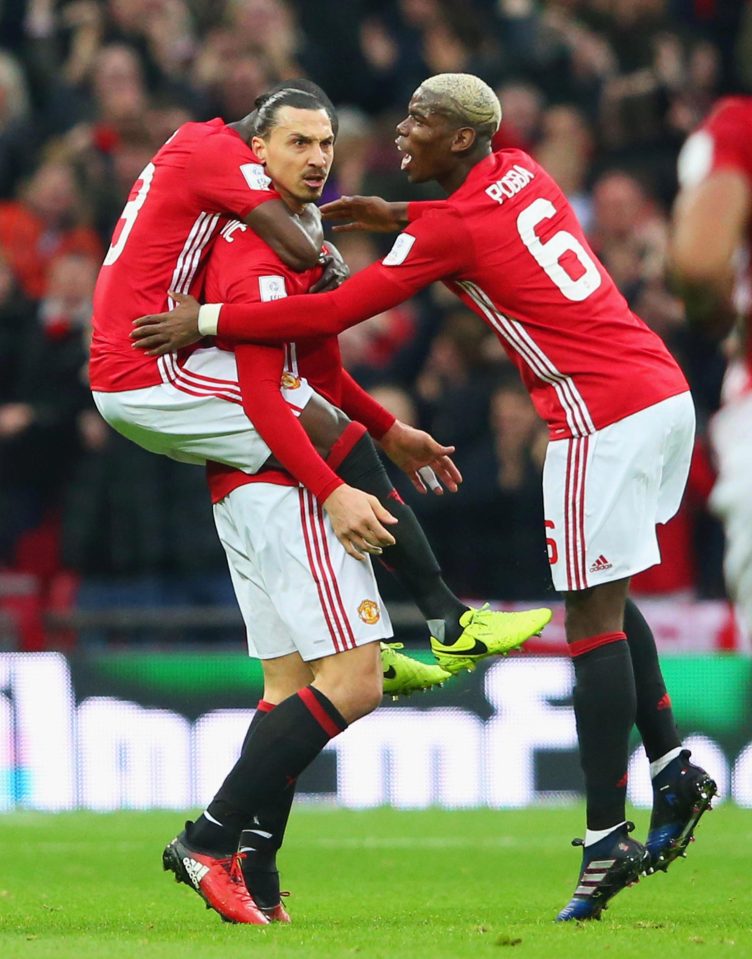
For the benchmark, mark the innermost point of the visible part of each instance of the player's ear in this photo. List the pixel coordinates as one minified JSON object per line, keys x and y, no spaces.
{"x":463,"y":139}
{"x":259,"y":148}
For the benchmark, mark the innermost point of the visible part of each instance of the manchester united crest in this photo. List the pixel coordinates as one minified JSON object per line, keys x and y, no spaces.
{"x":369,"y":612}
{"x":289,"y":381}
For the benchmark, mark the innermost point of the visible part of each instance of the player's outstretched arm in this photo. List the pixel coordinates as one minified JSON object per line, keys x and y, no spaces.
{"x":371,"y":213}
{"x":426,"y":462}
{"x":294,"y":317}
{"x":435,"y":253}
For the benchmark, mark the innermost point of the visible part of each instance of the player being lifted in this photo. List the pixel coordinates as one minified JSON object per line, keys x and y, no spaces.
{"x":620,"y":418}
{"x":187,"y":406}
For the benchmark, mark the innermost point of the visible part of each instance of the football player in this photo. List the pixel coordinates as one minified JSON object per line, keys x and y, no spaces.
{"x":620,"y":419}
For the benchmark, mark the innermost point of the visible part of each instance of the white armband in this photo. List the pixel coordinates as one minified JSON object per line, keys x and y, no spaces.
{"x":208,"y":319}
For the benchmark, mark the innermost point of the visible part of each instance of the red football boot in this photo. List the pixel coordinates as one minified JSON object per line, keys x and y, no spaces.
{"x":218,"y":880}
{"x":262,"y":881}
{"x":276,"y":913}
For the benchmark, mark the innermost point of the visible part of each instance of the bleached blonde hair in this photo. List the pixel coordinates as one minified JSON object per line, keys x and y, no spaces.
{"x":467,"y":97}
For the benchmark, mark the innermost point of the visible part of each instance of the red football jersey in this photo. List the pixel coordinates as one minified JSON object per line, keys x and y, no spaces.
{"x":244,"y":269}
{"x":203,"y":173}
{"x":724,"y":141}
{"x":509,"y":245}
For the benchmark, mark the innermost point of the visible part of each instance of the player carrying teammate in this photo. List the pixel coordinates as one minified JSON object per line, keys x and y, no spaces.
{"x":619,"y":413}
{"x":312,"y":612}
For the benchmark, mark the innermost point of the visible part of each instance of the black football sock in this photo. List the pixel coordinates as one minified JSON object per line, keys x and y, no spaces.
{"x":288,"y":740}
{"x":604,"y":707}
{"x":212,"y":835}
{"x":655,"y":717}
{"x":411,"y":559}
{"x":265,"y":834}
{"x":263,"y":708}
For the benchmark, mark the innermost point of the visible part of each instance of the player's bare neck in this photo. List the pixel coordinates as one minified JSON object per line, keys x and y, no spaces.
{"x":245,"y":127}
{"x":453,"y":179}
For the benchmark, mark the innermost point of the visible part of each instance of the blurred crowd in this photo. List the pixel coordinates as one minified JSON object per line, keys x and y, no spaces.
{"x":601,"y":92}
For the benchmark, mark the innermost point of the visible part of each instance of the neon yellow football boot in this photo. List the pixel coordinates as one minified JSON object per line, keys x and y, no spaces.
{"x":403,"y":675}
{"x":486,"y":632}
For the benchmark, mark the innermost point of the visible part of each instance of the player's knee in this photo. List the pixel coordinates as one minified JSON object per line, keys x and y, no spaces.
{"x":372,"y":692}
{"x":352,"y":680}
{"x":598,"y":609}
{"x":365,"y":693}
{"x":359,"y":696}
{"x":579,"y":606}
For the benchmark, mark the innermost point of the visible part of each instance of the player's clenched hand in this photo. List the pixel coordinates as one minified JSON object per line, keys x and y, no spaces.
{"x":424,"y":460}
{"x":357,"y":519}
{"x":336,"y":271}
{"x":165,"y":332}
{"x":365,"y":213}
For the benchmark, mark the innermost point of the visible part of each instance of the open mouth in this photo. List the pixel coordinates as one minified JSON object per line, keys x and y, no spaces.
{"x":406,"y":157}
{"x":314,"y":182}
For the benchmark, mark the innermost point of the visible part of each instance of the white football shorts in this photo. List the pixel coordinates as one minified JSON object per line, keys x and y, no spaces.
{"x":603,"y":494}
{"x":196,"y":414}
{"x":297,"y":587}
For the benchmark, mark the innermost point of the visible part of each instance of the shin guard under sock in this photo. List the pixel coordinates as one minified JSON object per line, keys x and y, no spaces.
{"x":604,"y":706}
{"x":655,"y":717}
{"x":411,"y":559}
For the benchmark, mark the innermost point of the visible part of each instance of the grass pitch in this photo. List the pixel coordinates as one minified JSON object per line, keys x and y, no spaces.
{"x":367,"y":885}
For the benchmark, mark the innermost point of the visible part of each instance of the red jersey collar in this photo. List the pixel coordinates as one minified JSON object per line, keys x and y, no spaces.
{"x":478,"y":173}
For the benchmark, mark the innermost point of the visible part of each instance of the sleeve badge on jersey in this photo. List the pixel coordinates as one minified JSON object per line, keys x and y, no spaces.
{"x":398,"y":253}
{"x":255,"y":176}
{"x":272,"y":288}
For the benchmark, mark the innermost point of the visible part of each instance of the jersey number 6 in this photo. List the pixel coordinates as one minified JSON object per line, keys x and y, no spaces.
{"x":549,"y":253}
